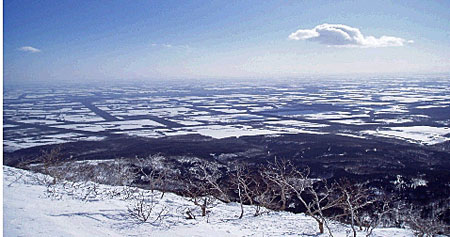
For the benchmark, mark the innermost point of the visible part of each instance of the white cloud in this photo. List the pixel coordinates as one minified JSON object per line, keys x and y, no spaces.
{"x":29,"y":49}
{"x":172,"y":47}
{"x":345,"y":36}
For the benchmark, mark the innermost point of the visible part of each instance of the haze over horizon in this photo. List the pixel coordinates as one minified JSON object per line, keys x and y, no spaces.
{"x":138,"y":40}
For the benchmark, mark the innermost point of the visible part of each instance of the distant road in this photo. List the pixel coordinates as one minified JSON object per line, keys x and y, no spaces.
{"x":160,"y":120}
{"x":99,"y":112}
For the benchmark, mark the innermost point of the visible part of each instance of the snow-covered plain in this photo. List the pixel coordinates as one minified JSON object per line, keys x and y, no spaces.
{"x":416,"y":134}
{"x":241,"y":109}
{"x":33,"y":209}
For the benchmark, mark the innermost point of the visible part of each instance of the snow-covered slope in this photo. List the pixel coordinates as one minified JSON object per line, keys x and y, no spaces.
{"x":88,"y":209}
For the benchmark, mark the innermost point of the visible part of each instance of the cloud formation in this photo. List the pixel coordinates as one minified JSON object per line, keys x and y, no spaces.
{"x":171,"y":46}
{"x":29,"y":49}
{"x":345,"y":36}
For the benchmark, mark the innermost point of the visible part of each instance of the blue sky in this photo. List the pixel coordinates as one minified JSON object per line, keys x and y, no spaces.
{"x":126,"y":40}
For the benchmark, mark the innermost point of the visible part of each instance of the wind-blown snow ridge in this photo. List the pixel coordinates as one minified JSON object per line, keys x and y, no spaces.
{"x":33,"y":209}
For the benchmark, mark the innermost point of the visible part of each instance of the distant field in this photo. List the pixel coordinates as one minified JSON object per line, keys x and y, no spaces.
{"x":415,"y":110}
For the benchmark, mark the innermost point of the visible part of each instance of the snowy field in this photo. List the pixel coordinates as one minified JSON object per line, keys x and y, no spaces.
{"x":366,"y":107}
{"x":417,"y":134}
{"x":74,"y":209}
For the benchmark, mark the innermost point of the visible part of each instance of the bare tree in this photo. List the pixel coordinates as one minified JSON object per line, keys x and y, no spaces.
{"x":381,"y":209}
{"x":200,"y":195}
{"x":210,"y":177}
{"x":49,"y":160}
{"x":242,"y":181}
{"x":317,"y":196}
{"x":156,"y":179}
{"x":263,"y":195}
{"x":355,"y":197}
{"x":204,"y":186}
{"x":278,"y":175}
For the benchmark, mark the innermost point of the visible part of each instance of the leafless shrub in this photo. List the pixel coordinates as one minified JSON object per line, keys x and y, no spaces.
{"x":277,"y":176}
{"x":355,"y":197}
{"x":322,"y":197}
{"x":381,"y":210}
{"x":17,"y":179}
{"x":200,"y":195}
{"x":90,"y":192}
{"x":147,"y":207}
{"x":155,"y":179}
{"x":47,"y":160}
{"x":53,"y":192}
{"x":253,"y":188}
{"x":428,"y":225}
{"x":263,"y":197}
{"x":50,"y":159}
{"x":45,"y":180}
{"x":119,"y":172}
{"x":242,"y":181}
{"x":203,"y":187}
{"x":210,"y":177}
{"x":127,"y":192}
{"x":316,"y":195}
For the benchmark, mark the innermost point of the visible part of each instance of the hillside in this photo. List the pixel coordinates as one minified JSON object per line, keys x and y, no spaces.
{"x":33,"y":207}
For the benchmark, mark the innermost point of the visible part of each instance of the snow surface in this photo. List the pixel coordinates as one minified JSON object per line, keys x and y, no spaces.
{"x":223,"y":131}
{"x":353,"y":122}
{"x":33,"y":209}
{"x":395,"y":120}
{"x":298,"y":123}
{"x":415,"y":134}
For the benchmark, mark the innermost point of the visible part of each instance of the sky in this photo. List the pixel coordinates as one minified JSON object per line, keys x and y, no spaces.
{"x":86,"y":41}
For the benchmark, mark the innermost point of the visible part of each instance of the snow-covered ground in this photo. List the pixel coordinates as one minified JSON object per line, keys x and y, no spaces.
{"x":416,"y":134}
{"x":71,"y":209}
